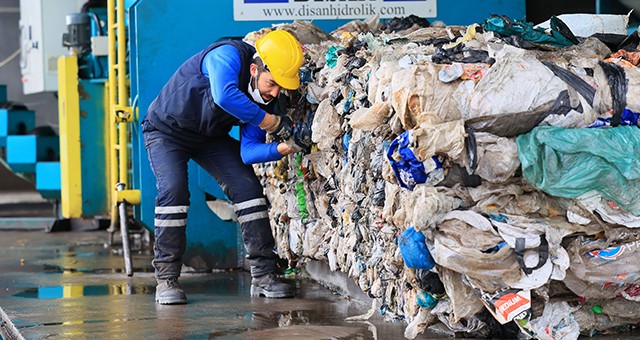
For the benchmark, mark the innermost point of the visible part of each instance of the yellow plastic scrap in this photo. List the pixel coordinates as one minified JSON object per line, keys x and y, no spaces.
{"x":347,"y":39}
{"x":469,"y":35}
{"x":280,"y":171}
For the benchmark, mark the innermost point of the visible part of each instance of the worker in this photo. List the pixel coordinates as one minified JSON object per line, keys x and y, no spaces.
{"x":228,"y":83}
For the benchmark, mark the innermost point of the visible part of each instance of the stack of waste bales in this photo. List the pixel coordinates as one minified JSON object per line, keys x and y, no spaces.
{"x":484,"y":177}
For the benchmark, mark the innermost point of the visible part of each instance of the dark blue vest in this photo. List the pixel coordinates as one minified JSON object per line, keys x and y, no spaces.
{"x":185,"y":108}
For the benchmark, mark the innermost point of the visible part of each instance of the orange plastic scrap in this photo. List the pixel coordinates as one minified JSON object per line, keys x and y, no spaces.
{"x":632,"y":57}
{"x":620,"y":62}
{"x":474,"y":72}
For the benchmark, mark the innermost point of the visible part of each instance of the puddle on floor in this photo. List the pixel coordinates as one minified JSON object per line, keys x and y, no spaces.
{"x":76,"y":291}
{"x":299,"y":324}
{"x":21,"y":325}
{"x":52,"y":269}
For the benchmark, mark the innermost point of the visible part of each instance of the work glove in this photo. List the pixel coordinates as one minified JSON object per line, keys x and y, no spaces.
{"x":302,"y":135}
{"x":281,"y":105}
{"x":283,"y":130}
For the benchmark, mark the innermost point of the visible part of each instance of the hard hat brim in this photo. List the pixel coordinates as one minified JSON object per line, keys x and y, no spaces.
{"x":286,"y":82}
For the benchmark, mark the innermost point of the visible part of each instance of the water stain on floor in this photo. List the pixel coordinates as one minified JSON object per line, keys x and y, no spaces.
{"x":78,"y":291}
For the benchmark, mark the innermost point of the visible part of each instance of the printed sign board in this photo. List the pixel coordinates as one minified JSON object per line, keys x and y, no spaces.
{"x":274,"y":10}
{"x":509,"y":304}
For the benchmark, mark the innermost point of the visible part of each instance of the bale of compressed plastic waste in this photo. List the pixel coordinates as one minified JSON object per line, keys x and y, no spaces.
{"x":480,"y":177}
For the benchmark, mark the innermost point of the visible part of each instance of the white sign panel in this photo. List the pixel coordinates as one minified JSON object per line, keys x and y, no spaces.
{"x":275,"y":10}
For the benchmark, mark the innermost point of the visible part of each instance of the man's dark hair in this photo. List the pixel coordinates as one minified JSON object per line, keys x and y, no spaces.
{"x":261,"y":66}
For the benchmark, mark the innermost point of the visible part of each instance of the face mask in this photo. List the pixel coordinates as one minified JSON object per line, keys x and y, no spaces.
{"x":255,"y":93}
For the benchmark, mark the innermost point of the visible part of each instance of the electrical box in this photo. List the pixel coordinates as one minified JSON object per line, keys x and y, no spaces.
{"x":100,"y":46}
{"x":42,"y":23}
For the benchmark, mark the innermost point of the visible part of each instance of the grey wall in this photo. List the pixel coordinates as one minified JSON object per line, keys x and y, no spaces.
{"x":44,"y":104}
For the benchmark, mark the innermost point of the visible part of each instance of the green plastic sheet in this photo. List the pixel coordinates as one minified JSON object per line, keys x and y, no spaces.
{"x":331,"y":58}
{"x":526,"y":31}
{"x":300,"y":193}
{"x":570,"y":162}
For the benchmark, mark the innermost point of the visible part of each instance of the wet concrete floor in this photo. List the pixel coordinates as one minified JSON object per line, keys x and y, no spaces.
{"x":70,"y":285}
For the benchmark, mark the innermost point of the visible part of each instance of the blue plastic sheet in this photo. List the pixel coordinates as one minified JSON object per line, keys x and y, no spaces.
{"x":627,"y":117}
{"x":570,"y":162}
{"x":426,"y":300}
{"x":414,"y":250}
{"x":408,"y":169}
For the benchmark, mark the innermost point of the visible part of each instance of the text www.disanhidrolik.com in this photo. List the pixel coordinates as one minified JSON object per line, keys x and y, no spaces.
{"x":331,"y":10}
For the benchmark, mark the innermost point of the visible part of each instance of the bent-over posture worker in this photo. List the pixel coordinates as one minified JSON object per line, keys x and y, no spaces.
{"x":228,"y":83}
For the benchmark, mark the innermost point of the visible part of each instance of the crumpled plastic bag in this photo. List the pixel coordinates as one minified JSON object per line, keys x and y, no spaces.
{"x":585,"y":25}
{"x":537,"y":247}
{"x":525,"y":30}
{"x":370,"y":118}
{"x":419,"y":323}
{"x":589,"y":290}
{"x":421,"y":208}
{"x":414,"y":250}
{"x":607,"y":210}
{"x":497,"y":157}
{"x":417,"y":92}
{"x":464,"y":301}
{"x":613,"y":260}
{"x":514,"y":197}
{"x":621,"y":308}
{"x":516,"y":74}
{"x":324,"y":131}
{"x":408,"y":168}
{"x":556,"y":322}
{"x":468,"y":250}
{"x":439,"y":139}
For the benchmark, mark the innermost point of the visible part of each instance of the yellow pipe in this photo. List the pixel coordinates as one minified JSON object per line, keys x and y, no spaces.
{"x":122,"y":93}
{"x":111,"y":88}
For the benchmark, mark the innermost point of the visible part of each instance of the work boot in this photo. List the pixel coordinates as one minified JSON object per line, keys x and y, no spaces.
{"x":168,"y":292}
{"x":269,"y":286}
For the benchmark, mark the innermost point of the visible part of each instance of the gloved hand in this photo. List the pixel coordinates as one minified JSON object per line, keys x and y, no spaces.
{"x":302,"y":135}
{"x":283,"y":130}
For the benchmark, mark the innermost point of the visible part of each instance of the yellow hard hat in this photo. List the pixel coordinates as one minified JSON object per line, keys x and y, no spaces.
{"x":281,"y":53}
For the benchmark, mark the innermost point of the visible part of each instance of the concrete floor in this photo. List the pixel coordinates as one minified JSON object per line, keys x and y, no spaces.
{"x":71,"y":285}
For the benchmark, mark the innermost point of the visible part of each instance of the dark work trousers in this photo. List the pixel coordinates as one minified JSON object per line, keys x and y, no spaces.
{"x":220,"y":157}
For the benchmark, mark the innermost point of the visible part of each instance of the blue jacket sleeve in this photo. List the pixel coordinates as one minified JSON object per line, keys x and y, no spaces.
{"x":253,"y":148}
{"x":222,"y":66}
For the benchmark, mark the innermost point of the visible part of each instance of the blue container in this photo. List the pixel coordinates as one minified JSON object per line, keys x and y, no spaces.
{"x":48,"y":179}
{"x":414,"y":250}
{"x":15,"y":122}
{"x":23,"y":152}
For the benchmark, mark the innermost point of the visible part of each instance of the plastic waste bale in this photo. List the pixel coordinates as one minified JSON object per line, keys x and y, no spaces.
{"x":383,"y":104}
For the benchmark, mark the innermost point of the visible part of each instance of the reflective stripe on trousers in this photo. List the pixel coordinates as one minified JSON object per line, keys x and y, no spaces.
{"x":256,"y":232}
